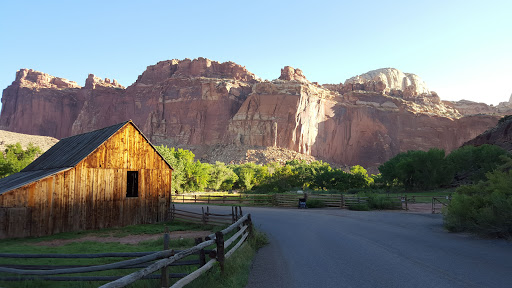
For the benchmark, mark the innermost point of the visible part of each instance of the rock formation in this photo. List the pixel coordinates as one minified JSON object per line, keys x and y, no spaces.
{"x":500,"y":135}
{"x":199,"y":104}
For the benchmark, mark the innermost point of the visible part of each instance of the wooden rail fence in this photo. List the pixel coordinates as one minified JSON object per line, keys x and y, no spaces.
{"x":151,"y":262}
{"x":206,"y":217}
{"x":291,"y":200}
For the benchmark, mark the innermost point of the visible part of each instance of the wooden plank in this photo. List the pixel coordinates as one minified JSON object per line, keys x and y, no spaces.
{"x":60,"y":208}
{"x":147,"y":192}
{"x":125,"y":145}
{"x":142,"y":195}
{"x":109,"y":201}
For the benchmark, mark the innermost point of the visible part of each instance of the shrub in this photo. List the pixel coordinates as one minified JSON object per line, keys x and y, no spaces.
{"x":484,"y":208}
{"x":315,"y":203}
{"x":382,"y":202}
{"x":359,"y":207}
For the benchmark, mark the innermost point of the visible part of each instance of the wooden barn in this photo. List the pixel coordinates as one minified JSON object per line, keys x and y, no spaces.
{"x":105,"y":178}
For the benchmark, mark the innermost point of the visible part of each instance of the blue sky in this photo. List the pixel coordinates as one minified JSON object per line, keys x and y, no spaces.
{"x":461,"y":49}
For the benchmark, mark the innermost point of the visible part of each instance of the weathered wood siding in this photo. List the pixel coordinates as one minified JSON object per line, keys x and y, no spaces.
{"x":92,"y":195}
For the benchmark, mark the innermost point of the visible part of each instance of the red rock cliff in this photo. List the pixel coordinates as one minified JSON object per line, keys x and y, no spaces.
{"x":203,"y":103}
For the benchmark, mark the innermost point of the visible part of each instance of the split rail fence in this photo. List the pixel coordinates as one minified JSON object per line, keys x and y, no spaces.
{"x":282,"y":200}
{"x":206,"y":217}
{"x":215,"y":246}
{"x":291,"y":200}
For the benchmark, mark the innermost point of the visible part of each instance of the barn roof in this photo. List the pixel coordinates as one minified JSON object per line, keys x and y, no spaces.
{"x":64,"y":155}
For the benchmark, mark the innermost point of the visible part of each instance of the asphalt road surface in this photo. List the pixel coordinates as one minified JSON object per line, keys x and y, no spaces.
{"x":342,"y":248}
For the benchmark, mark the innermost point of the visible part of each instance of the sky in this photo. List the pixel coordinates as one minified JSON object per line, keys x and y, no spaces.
{"x":461,"y":49}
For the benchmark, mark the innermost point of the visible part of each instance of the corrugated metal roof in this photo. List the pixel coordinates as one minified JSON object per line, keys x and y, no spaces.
{"x":69,"y":151}
{"x":20,"y":179}
{"x":66,"y":154}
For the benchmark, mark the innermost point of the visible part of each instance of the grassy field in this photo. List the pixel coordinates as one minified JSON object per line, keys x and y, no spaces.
{"x":239,"y":263}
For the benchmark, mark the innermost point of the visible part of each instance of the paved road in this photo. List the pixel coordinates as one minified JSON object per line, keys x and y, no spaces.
{"x":341,"y":248}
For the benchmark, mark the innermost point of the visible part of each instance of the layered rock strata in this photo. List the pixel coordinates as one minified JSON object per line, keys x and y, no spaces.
{"x":199,"y":104}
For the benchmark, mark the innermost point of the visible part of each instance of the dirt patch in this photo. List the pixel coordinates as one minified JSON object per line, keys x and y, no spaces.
{"x":420,"y":207}
{"x":130,"y":239}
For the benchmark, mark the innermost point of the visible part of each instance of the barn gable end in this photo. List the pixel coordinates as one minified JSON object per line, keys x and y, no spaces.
{"x":87,"y":185}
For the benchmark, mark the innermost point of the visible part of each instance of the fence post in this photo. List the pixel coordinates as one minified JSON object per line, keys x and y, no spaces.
{"x":204,"y":216}
{"x":164,"y":277}
{"x":208,"y":198}
{"x":202,"y":257}
{"x":183,"y":198}
{"x":342,"y":201}
{"x":240,"y":198}
{"x":406,"y":200}
{"x":232,"y":214}
{"x":219,"y":240}
{"x":195,"y":198}
{"x":249,"y":223}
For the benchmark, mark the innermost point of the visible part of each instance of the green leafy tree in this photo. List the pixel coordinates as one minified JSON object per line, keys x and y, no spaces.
{"x":360,"y":178}
{"x":249,"y":175}
{"x":221,"y":176}
{"x":417,"y":169}
{"x":15,"y":158}
{"x":485,"y":207}
{"x":188,"y":175}
{"x":471,"y":163}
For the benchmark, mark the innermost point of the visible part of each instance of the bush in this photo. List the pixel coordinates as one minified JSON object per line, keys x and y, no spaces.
{"x":315,"y":203}
{"x":484,"y":208}
{"x":382,"y":202}
{"x":359,"y":207}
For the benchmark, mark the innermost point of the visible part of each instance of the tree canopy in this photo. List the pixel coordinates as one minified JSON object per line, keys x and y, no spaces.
{"x":15,"y":158}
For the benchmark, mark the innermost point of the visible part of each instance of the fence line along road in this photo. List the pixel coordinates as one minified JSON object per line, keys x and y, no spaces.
{"x":144,"y":260}
{"x":291,"y":200}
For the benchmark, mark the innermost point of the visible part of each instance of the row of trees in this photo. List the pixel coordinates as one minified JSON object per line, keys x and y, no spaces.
{"x":190,"y":175}
{"x":422,"y":170}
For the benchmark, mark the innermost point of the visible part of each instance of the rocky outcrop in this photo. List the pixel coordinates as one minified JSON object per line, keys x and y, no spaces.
{"x":466,"y":107}
{"x":38,"y":80}
{"x":92,"y":82}
{"x":198,"y":104}
{"x":389,"y":80}
{"x":290,"y":74}
{"x":500,"y":135}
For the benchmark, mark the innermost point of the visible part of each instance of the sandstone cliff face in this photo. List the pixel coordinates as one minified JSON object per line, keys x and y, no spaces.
{"x":466,"y":107}
{"x":500,"y":135}
{"x":199,"y":104}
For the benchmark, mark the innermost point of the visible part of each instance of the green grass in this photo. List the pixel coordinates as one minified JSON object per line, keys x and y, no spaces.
{"x":237,"y":267}
{"x":236,"y":274}
{"x":31,"y":246}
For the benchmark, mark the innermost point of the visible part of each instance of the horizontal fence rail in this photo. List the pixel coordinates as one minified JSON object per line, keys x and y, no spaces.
{"x":148,"y":263}
{"x":205,"y":217}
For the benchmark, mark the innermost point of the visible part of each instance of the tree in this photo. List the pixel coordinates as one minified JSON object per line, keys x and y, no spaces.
{"x":15,"y":158}
{"x":470,"y":163}
{"x":417,"y":169}
{"x":360,"y":178}
{"x":250,"y":174}
{"x":187,"y":175}
{"x":485,"y":207}
{"x":221,"y":175}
